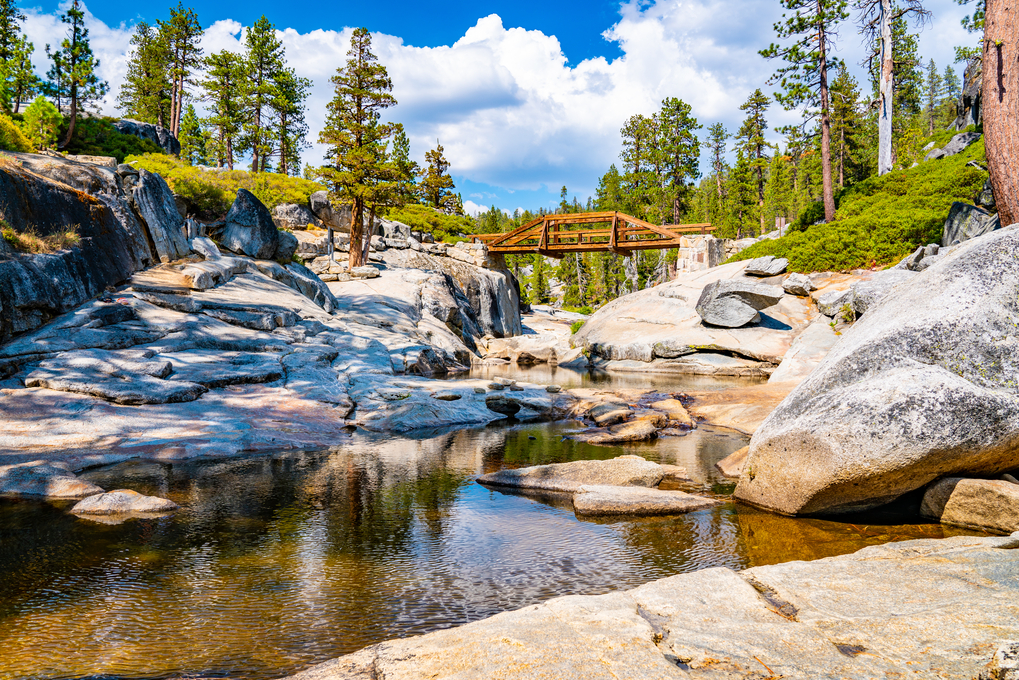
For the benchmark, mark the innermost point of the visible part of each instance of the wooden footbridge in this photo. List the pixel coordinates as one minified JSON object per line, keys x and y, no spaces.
{"x":551,"y":235}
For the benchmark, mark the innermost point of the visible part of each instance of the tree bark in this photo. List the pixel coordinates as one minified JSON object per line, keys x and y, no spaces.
{"x":884,"y":144}
{"x":356,"y":233}
{"x":1000,"y":95}
{"x":826,"y":184}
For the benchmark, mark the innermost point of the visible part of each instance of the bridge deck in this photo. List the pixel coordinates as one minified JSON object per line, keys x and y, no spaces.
{"x":550,"y":235}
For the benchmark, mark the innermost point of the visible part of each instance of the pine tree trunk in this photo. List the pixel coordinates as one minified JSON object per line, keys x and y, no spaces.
{"x":1000,"y":95}
{"x":826,"y":183}
{"x":356,"y":233}
{"x":74,"y":116}
{"x":842,"y":157}
{"x":368,"y":235}
{"x":884,"y":144}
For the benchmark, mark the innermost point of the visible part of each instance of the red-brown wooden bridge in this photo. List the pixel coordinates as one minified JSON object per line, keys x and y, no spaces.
{"x":551,"y":235}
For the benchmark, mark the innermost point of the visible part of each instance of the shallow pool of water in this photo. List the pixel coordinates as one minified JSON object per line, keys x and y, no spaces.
{"x":280,"y":562}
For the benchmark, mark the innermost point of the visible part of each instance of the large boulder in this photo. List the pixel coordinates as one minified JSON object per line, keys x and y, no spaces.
{"x":957,"y":144}
{"x":923,"y":387}
{"x":159,"y":136}
{"x":286,"y":246}
{"x":768,"y":265}
{"x":293,"y":216}
{"x":570,"y":477}
{"x":986,"y":504}
{"x":733,"y":303}
{"x":310,"y":285}
{"x":967,"y":221}
{"x":156,"y":204}
{"x":250,"y":229}
{"x":869,"y":292}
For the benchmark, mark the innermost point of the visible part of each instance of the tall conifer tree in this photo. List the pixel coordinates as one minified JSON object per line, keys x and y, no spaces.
{"x":222,"y":89}
{"x":753,"y":145}
{"x":75,"y":67}
{"x":264,"y":60}
{"x":147,"y":93}
{"x":181,"y":35}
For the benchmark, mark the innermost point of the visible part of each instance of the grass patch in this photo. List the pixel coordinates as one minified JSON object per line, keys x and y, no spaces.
{"x":882,"y":219}
{"x":427,"y":219}
{"x":31,"y":242}
{"x":212,"y":192}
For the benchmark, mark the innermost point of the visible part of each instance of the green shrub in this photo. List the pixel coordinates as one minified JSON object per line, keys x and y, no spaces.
{"x":882,"y":219}
{"x":11,"y":136}
{"x":427,"y":219}
{"x":576,"y":326}
{"x":98,"y":137}
{"x":42,"y":123}
{"x":212,"y":192}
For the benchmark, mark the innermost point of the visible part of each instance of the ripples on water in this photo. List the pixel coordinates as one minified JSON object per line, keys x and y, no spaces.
{"x":278,"y":563}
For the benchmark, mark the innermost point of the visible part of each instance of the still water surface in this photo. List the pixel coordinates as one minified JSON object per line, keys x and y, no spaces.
{"x":280,"y":562}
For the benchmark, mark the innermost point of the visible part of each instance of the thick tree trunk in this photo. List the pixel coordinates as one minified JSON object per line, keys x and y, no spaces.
{"x":74,"y":117}
{"x":1000,"y":97}
{"x":884,"y":136}
{"x":368,"y":236}
{"x":826,"y":182}
{"x":842,"y":157}
{"x":356,"y":233}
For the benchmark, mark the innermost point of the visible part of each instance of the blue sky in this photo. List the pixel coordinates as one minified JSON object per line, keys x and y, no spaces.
{"x":524,"y":96}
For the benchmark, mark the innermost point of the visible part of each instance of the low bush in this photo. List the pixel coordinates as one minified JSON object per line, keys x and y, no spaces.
{"x":11,"y":136}
{"x":427,"y":219}
{"x":31,"y":242}
{"x":882,"y":219}
{"x":211,"y":192}
{"x":576,"y":326}
{"x":98,"y":137}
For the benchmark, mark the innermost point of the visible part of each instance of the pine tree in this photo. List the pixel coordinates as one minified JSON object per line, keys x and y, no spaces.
{"x":407,"y":186}
{"x":192,"y":139}
{"x":360,"y":171}
{"x":76,"y":67}
{"x":20,"y":81}
{"x":181,"y":35}
{"x":846,"y":127}
{"x":539,"y":293}
{"x":744,"y":204}
{"x":638,"y":135}
{"x":42,"y":123}
{"x":222,"y":90}
{"x":680,"y":151}
{"x":1000,"y":96}
{"x":436,"y":185}
{"x":287,"y":107}
{"x":752,"y":144}
{"x":609,"y":194}
{"x":932,"y":95}
{"x":263,"y":60}
{"x":146,"y":92}
{"x":715,"y":143}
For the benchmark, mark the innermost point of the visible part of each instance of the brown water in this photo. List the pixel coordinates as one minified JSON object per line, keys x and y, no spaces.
{"x":278,"y":563}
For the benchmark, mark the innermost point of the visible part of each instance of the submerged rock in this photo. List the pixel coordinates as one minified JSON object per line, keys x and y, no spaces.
{"x":923,"y":387}
{"x":636,"y":501}
{"x":734,"y":303}
{"x":986,"y":504}
{"x":633,"y":431}
{"x":123,"y":501}
{"x":569,"y":477}
{"x":39,"y":478}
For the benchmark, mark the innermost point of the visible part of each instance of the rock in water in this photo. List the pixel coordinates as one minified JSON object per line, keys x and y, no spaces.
{"x":923,"y":387}
{"x":502,"y":404}
{"x":733,"y":303}
{"x":988,"y":504}
{"x":633,"y":431}
{"x":569,"y":477}
{"x":123,"y":501}
{"x":768,"y":265}
{"x":967,"y":221}
{"x":250,"y":229}
{"x":42,"y":479}
{"x":636,"y":501}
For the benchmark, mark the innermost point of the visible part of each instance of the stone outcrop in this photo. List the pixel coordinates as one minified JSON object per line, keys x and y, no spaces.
{"x":159,"y":136}
{"x":769,"y":265}
{"x":570,"y":477}
{"x":927,"y":608}
{"x":295,"y":217}
{"x":956,"y":145}
{"x":594,"y":500}
{"x":985,"y":504}
{"x":969,"y":109}
{"x":155,"y":203}
{"x":735,"y":303}
{"x":921,"y":388}
{"x":798,"y":284}
{"x":249,"y":228}
{"x":123,"y":501}
{"x":965,"y":222}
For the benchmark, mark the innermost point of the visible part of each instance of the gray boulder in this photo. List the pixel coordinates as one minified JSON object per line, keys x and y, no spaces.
{"x":293,"y":216}
{"x":250,"y":229}
{"x":956,"y":145}
{"x":832,"y":303}
{"x":636,"y":501}
{"x":798,"y":284}
{"x":984,"y":504}
{"x":869,"y":292}
{"x":768,"y":265}
{"x":286,"y":246}
{"x":967,"y":221}
{"x":570,"y":477}
{"x":206,"y":248}
{"x":123,"y":501}
{"x":322,"y":207}
{"x":165,"y":225}
{"x":310,"y":285}
{"x":923,"y":387}
{"x":732,"y":303}
{"x":159,"y":136}
{"x":986,"y":197}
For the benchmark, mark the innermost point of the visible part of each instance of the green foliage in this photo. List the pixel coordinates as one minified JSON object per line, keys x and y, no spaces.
{"x":882,"y":219}
{"x":224,"y":79}
{"x":576,"y":326}
{"x":192,"y":140}
{"x":437,"y":186}
{"x":146,"y":92}
{"x":42,"y":123}
{"x":212,"y":192}
{"x":848,"y":313}
{"x":427,"y":219}
{"x":74,"y":68}
{"x":98,"y":137}
{"x":11,"y":136}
